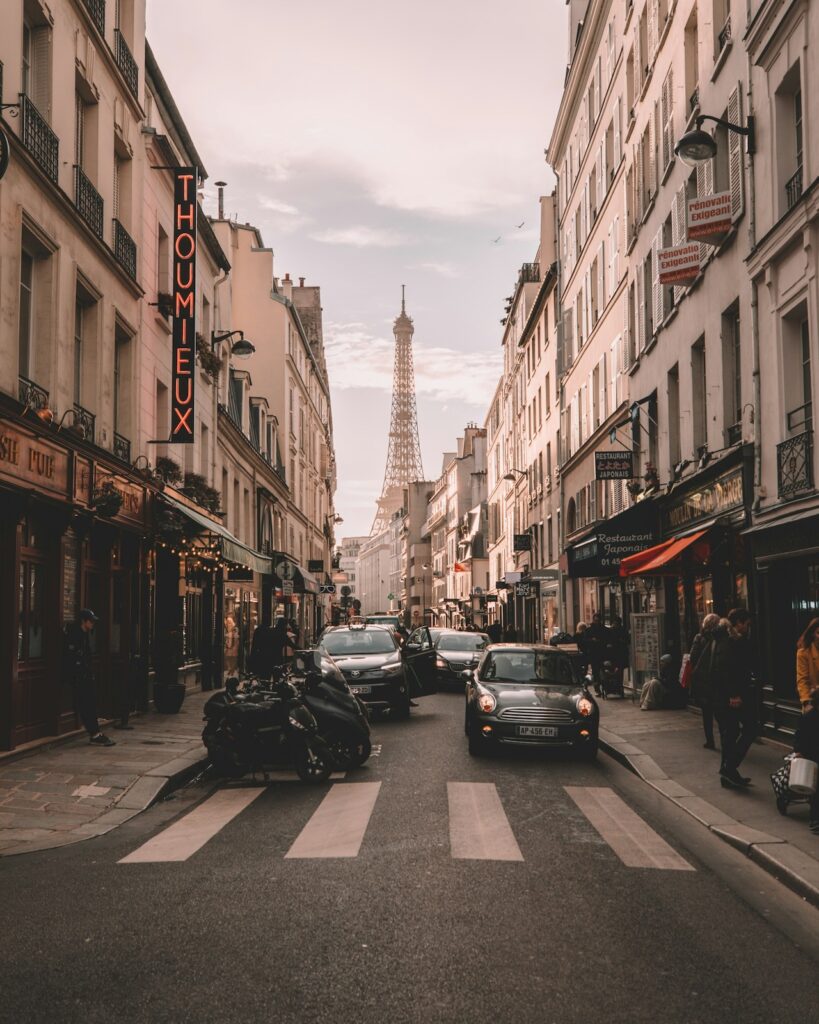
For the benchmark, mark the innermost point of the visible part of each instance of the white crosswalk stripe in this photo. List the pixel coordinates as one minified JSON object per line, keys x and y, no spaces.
{"x":337,"y":826}
{"x":182,"y":839}
{"x":478,"y":826}
{"x":635,"y":843}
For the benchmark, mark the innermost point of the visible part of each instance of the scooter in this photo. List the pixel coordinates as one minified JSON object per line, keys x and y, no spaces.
{"x":343,"y":720}
{"x":264,"y":729}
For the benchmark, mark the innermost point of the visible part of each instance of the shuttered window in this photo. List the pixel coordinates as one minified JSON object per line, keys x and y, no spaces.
{"x":667,"y":115}
{"x":735,"y":168}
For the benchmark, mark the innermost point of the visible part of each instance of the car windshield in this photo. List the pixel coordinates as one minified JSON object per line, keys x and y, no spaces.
{"x":358,"y":641}
{"x":529,"y":667}
{"x":461,"y":642}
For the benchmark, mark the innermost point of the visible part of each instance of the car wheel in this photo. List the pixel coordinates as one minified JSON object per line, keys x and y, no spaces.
{"x":478,"y":746}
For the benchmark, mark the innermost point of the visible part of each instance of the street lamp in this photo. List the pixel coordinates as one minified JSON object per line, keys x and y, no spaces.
{"x":241,"y":349}
{"x":697,"y":146}
{"x":511,"y":474}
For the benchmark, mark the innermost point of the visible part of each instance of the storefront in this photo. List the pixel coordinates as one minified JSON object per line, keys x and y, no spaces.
{"x":72,"y":535}
{"x":702,"y":563}
{"x":785,"y":555}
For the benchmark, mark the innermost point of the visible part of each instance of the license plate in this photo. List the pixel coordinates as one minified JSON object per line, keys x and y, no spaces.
{"x":361,"y":689}
{"x":537,"y":730}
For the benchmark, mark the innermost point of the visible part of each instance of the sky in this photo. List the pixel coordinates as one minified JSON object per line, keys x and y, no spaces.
{"x":377,"y":143}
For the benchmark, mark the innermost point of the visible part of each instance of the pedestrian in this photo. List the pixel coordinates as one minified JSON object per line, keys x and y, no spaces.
{"x":734,"y":706}
{"x":595,"y":639}
{"x":231,"y":645}
{"x":79,"y":671}
{"x":266,"y":650}
{"x":295,"y":632}
{"x":494,"y":632}
{"x":618,"y":642}
{"x":510,"y":634}
{"x":807,"y":664}
{"x":702,"y":677}
{"x":806,"y":744}
{"x":660,"y":691}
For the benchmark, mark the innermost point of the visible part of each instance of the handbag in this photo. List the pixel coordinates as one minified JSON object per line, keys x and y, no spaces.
{"x":686,"y":672}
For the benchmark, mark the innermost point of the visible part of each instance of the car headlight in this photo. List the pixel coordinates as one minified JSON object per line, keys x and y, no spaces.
{"x":440,"y":663}
{"x":487,"y":703}
{"x":394,"y":669}
{"x":585,"y":707}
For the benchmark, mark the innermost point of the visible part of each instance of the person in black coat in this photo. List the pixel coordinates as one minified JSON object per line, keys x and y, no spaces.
{"x":806,"y":744}
{"x":78,"y":669}
{"x":494,"y":631}
{"x":732,"y":670}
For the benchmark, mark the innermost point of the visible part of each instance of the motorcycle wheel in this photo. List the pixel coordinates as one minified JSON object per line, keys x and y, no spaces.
{"x":310,"y":767}
{"x":221,"y":761}
{"x":347,"y":751}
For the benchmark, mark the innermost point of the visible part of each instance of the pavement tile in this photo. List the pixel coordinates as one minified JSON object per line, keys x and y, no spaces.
{"x":21,"y":774}
{"x":704,"y":812}
{"x":75,"y":809}
{"x":647,"y":767}
{"x":23,"y":802}
{"x":22,"y":835}
{"x":42,"y":786}
{"x":57,"y":777}
{"x":671,"y":788}
{"x":115,"y":781}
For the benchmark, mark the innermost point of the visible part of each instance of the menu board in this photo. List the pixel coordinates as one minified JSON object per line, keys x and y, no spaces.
{"x":70,"y":578}
{"x":646,"y":641}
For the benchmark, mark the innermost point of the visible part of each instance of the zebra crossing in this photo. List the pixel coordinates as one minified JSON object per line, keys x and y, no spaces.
{"x":479,"y":828}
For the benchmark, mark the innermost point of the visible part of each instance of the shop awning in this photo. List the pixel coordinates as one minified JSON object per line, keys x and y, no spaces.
{"x":306,"y":581}
{"x":233,"y":550}
{"x":666,"y":559}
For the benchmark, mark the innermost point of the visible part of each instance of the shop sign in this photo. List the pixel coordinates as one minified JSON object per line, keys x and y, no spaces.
{"x":315,"y":565}
{"x":633,"y":530}
{"x":31,"y":461}
{"x":617,"y":465}
{"x":184,"y":305}
{"x":239,"y":574}
{"x":287,"y":588}
{"x":327,"y":588}
{"x":721,"y":495}
{"x":709,"y":218}
{"x":491,"y":598}
{"x":646,"y":641}
{"x":521,"y":589}
{"x":522,"y":542}
{"x":513,"y":577}
{"x":133,"y":496}
{"x":285,"y":570}
{"x":339,"y":577}
{"x":5,"y":152}
{"x":680,"y":264}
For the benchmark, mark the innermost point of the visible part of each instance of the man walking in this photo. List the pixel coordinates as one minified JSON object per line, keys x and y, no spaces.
{"x":734,"y":705}
{"x":80,"y":674}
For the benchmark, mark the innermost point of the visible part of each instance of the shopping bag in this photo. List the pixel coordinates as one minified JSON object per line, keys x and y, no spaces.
{"x":781,"y":777}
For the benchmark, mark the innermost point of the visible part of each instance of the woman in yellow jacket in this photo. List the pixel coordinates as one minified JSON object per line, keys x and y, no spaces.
{"x":807,"y":663}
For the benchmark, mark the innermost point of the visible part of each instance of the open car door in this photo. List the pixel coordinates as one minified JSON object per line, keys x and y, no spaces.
{"x":419,"y":658}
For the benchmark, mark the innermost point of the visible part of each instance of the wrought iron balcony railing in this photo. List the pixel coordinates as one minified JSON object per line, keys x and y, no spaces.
{"x":794,"y":464}
{"x":122,"y":448}
{"x":530,"y":273}
{"x":125,"y":62}
{"x":724,"y":36}
{"x":84,"y":423}
{"x":733,"y":434}
{"x":88,"y":201}
{"x":38,"y":138}
{"x":96,"y":8}
{"x":793,"y":188}
{"x":125,"y":249}
{"x":31,"y":394}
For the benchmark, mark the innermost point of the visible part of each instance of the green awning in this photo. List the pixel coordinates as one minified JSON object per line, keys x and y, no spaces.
{"x":232,"y":548}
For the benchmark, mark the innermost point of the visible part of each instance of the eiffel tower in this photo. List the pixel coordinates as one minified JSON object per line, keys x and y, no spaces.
{"x":404,"y":451}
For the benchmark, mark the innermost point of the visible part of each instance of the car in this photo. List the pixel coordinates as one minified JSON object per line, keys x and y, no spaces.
{"x":455,"y":651}
{"x":384,"y":619}
{"x":529,"y":695}
{"x":378,"y":671}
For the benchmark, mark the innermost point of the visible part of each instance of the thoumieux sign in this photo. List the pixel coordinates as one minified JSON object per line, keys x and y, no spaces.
{"x":184,"y":305}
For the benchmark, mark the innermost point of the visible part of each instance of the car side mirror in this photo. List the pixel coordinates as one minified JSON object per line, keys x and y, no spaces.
{"x":466,"y":675}
{"x":412,"y":647}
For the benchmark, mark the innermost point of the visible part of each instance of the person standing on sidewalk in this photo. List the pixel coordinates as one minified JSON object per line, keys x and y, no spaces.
{"x":734,"y":698}
{"x":702,"y":677}
{"x":806,"y":744}
{"x":80,"y":674}
{"x":807,"y":664}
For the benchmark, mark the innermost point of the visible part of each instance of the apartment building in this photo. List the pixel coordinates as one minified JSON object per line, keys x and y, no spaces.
{"x":347,"y":563}
{"x":434,"y":530}
{"x":373,"y":574}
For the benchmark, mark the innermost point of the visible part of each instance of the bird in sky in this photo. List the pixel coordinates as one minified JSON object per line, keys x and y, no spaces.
{"x":494,"y":241}
{"x":519,"y":226}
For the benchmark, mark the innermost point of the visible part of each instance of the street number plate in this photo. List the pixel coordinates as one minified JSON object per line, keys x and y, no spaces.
{"x":361,"y":689}
{"x":537,"y":730}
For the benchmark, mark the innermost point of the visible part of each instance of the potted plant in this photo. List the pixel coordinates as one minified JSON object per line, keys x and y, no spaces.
{"x":208,"y":359}
{"x":196,"y":487}
{"x":169,"y":693}
{"x":168,"y":470}
{"x":106,"y":500}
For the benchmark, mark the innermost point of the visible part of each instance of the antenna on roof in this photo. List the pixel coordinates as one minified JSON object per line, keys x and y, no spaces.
{"x":403,"y":305}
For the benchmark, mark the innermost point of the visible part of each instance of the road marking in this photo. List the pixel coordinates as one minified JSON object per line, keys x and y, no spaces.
{"x":182,"y":839}
{"x":376,"y":750}
{"x":292,"y":776}
{"x":338,"y":824}
{"x":637,"y":845}
{"x":478,"y":826}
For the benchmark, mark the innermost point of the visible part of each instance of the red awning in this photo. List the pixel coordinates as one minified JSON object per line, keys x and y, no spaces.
{"x":666,"y":559}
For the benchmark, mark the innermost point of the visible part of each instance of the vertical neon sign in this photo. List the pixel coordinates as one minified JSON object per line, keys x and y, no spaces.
{"x":184,"y":305}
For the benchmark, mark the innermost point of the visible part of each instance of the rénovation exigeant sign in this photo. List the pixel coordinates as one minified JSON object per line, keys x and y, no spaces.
{"x":184,"y":305}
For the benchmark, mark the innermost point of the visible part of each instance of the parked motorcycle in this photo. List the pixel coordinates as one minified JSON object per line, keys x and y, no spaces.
{"x":262,"y":729}
{"x":342,"y":718}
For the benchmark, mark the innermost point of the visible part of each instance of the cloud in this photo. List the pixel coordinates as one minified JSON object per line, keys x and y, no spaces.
{"x":444,"y":269}
{"x":277,"y":206}
{"x":361,"y":237}
{"x":358,"y":359}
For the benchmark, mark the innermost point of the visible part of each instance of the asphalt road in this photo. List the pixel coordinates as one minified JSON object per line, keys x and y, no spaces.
{"x":562,"y":931}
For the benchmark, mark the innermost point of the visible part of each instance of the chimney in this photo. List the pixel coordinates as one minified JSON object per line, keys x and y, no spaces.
{"x":220,"y":185}
{"x":287,"y":279}
{"x":301,"y":282}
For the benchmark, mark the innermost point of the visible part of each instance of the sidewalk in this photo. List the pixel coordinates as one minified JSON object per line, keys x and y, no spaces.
{"x":665,"y":748}
{"x":73,"y":791}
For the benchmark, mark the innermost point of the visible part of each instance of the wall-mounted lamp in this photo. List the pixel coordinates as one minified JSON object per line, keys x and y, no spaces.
{"x":241,"y":349}
{"x":697,"y":146}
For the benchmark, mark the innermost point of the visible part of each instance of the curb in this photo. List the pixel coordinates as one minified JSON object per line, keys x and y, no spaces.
{"x":147,"y":790}
{"x":779,"y":858}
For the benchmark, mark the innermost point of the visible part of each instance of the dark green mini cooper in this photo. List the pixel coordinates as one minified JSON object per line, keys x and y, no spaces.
{"x":524,"y":695}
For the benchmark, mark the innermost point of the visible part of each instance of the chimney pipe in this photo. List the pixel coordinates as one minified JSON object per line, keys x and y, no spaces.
{"x":287,"y":278}
{"x":220,"y":185}
{"x":301,"y":282}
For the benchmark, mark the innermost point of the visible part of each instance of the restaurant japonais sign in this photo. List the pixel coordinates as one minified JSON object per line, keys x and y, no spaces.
{"x":184,"y":305}
{"x":616,"y":465}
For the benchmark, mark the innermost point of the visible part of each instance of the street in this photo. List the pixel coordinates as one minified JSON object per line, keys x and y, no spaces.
{"x":523,"y":888}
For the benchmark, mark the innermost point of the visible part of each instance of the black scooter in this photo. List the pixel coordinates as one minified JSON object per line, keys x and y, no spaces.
{"x":263,"y":729}
{"x":342,"y":718}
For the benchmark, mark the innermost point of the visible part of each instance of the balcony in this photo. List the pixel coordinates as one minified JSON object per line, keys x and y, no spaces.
{"x":96,"y":8}
{"x":724,"y":37}
{"x":794,"y":464}
{"x":530,"y":273}
{"x":125,"y":249}
{"x":84,"y":423}
{"x":122,"y":448}
{"x":125,"y":62}
{"x":32,"y":395}
{"x":793,"y":189}
{"x":88,"y":201}
{"x":38,"y":138}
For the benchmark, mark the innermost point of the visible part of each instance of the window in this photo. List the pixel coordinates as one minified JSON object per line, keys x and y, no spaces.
{"x":722,"y":26}
{"x":122,"y":378}
{"x":34,"y":329}
{"x":789,"y":156}
{"x":732,"y":374}
{"x":163,"y":261}
{"x":667,"y":120}
{"x":26,"y":308}
{"x":78,"y":338}
{"x":692,"y":75}
{"x":674,"y":416}
{"x":797,"y":371}
{"x":699,"y":394}
{"x":36,"y":63}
